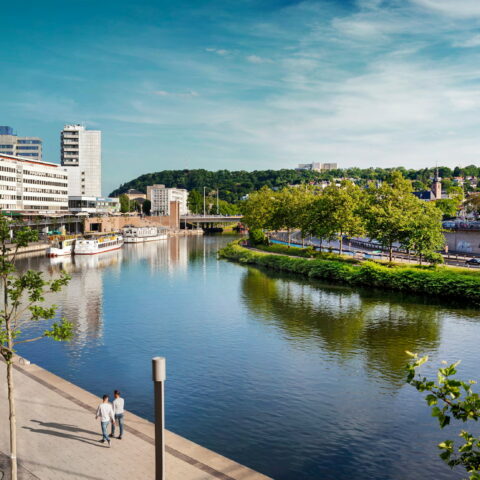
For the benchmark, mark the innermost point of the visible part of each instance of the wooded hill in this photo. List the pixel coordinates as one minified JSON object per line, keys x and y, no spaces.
{"x":233,"y":185}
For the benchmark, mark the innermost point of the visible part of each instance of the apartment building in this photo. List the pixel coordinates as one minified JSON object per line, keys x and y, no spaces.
{"x":81,"y":155}
{"x":160,"y":198}
{"x":12,"y":144}
{"x":35,"y":186}
{"x":317,"y":166}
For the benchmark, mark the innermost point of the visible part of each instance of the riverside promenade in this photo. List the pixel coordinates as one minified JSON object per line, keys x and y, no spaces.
{"x":58,"y":438}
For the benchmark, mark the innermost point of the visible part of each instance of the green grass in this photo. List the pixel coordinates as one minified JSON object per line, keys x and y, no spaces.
{"x":445,"y":282}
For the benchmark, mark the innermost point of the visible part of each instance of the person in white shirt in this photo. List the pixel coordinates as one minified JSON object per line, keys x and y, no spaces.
{"x":105,"y":412}
{"x":118,"y":410}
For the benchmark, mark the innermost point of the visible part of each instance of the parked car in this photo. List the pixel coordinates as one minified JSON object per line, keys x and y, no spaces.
{"x":473,"y":261}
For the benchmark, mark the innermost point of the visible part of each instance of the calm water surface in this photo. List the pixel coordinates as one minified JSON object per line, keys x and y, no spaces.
{"x":297,"y":380}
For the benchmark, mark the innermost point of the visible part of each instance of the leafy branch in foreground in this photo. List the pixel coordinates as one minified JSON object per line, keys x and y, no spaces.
{"x":451,"y":398}
{"x":22,"y":306}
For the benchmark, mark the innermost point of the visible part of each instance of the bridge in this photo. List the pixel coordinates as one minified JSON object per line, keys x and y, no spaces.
{"x":209,"y":219}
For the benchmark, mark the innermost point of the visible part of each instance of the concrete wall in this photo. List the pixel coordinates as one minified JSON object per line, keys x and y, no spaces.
{"x":112,"y":224}
{"x":463,"y":241}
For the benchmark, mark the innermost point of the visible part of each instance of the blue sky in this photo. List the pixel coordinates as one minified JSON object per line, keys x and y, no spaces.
{"x":247,"y":84}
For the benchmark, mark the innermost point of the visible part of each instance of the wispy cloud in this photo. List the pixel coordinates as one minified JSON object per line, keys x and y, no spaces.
{"x":257,"y":59}
{"x":219,"y":51}
{"x":164,"y":93}
{"x":453,"y":8}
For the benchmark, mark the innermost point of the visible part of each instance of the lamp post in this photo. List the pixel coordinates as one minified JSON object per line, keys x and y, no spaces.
{"x":204,"y":201}
{"x":159,"y":375}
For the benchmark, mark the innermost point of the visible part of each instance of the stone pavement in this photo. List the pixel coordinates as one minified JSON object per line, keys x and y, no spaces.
{"x":58,"y":438}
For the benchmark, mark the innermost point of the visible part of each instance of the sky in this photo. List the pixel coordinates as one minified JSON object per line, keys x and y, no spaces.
{"x":246,"y":84}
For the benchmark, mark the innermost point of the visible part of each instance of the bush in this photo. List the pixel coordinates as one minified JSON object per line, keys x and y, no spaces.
{"x":257,"y":237}
{"x":434,"y":258}
{"x":441,"y":282}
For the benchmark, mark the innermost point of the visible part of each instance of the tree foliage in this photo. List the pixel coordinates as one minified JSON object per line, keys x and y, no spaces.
{"x":451,"y":399}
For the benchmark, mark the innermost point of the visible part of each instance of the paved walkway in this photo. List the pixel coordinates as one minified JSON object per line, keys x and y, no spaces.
{"x":58,"y":438}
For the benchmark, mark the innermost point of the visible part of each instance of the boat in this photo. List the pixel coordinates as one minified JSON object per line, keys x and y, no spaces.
{"x":143,"y":234}
{"x":61,"y":246}
{"x":93,"y":244}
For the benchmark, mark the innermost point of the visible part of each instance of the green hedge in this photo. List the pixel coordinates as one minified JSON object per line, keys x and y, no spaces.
{"x":439,"y":281}
{"x":307,"y":252}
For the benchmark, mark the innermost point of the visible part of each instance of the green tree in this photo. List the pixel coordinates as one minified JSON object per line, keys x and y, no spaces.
{"x":258,"y":209}
{"x":451,"y":398}
{"x":23,"y":294}
{"x":343,"y":205}
{"x":448,"y":207}
{"x":124,"y":203}
{"x":195,"y":202}
{"x":147,"y":207}
{"x":424,"y":234}
{"x":389,"y":210}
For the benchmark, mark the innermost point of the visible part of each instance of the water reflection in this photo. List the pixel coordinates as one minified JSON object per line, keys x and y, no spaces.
{"x":343,"y":322}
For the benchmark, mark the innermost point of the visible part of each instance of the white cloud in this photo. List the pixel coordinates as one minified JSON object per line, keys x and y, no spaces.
{"x":257,"y":59}
{"x":164,"y":93}
{"x":453,"y":8}
{"x":469,"y":42}
{"x":219,"y":51}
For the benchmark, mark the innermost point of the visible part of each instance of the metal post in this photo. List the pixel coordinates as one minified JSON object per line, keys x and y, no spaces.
{"x":218,"y":212}
{"x":159,"y":376}
{"x":204,"y":201}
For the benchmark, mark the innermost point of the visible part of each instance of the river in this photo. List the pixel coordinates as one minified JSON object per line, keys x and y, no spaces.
{"x":295,"y":379}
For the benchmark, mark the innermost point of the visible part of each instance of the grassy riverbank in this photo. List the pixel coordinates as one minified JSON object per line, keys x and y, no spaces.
{"x":437,"y":281}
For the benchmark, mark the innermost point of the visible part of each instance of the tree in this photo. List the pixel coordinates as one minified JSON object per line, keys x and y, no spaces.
{"x":258,"y":209}
{"x":451,"y":398}
{"x":124,"y":203}
{"x":424,"y":234}
{"x":147,"y":207}
{"x":23,"y":294}
{"x":343,"y":205}
{"x":447,"y":206}
{"x":195,"y":201}
{"x":389,"y":210}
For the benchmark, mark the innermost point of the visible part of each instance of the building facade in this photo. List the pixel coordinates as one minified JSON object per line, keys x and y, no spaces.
{"x":160,"y":198}
{"x":33,"y":186}
{"x":317,"y":166}
{"x":81,"y":155}
{"x":93,"y":205}
{"x":12,"y":144}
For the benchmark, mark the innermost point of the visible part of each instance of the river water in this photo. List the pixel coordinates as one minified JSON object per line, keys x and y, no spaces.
{"x":295,"y":379}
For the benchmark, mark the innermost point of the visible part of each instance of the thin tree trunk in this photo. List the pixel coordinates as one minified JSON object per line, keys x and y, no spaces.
{"x":288,"y":236}
{"x":13,"y":421}
{"x":390,"y":252}
{"x":341,"y":243}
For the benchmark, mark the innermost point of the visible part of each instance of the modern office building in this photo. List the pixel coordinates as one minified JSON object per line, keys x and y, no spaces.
{"x":93,"y":205}
{"x":81,"y":155}
{"x":12,"y":144}
{"x":32,"y":185}
{"x":160,"y":198}
{"x":317,"y":166}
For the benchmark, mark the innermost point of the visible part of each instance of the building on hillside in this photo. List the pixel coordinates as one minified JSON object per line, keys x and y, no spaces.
{"x":93,"y":205}
{"x":317,"y":166}
{"x":12,"y":144}
{"x":160,"y":198}
{"x":136,"y":195}
{"x":435,"y":193}
{"x":32,"y":185}
{"x":81,"y":155}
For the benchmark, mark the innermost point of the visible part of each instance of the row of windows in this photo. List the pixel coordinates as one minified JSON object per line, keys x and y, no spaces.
{"x":7,"y":169}
{"x":7,"y":179}
{"x":32,"y":142}
{"x":6,"y":146}
{"x":8,"y":187}
{"x":30,"y":154}
{"x":45,"y":190}
{"x":40,"y":207}
{"x":44,"y":182}
{"x":42,"y":199}
{"x":6,"y":152}
{"x":7,"y":197}
{"x":27,"y":147}
{"x":45,"y":174}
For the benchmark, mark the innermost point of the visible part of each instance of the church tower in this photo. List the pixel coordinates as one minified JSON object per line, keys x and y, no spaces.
{"x":437,"y":186}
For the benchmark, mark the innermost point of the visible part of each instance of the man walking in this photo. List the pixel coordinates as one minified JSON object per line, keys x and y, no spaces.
{"x":118,"y":410}
{"x":105,"y":412}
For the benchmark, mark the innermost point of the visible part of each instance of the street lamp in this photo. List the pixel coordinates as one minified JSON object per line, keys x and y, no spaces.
{"x":159,"y":375}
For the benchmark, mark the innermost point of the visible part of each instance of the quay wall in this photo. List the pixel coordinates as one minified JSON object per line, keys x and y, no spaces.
{"x":464,"y":241}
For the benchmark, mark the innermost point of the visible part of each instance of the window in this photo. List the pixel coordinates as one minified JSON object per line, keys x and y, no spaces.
{"x":32,"y":142}
{"x":26,"y":147}
{"x":6,"y":146}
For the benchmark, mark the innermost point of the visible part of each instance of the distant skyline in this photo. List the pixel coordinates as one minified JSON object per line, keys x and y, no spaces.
{"x":247,"y":84}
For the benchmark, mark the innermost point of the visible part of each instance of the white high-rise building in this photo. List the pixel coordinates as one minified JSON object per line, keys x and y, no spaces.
{"x":160,"y":198}
{"x":81,"y":155}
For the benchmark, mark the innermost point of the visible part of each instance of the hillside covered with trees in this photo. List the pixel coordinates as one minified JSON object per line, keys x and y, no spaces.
{"x":233,"y":185}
